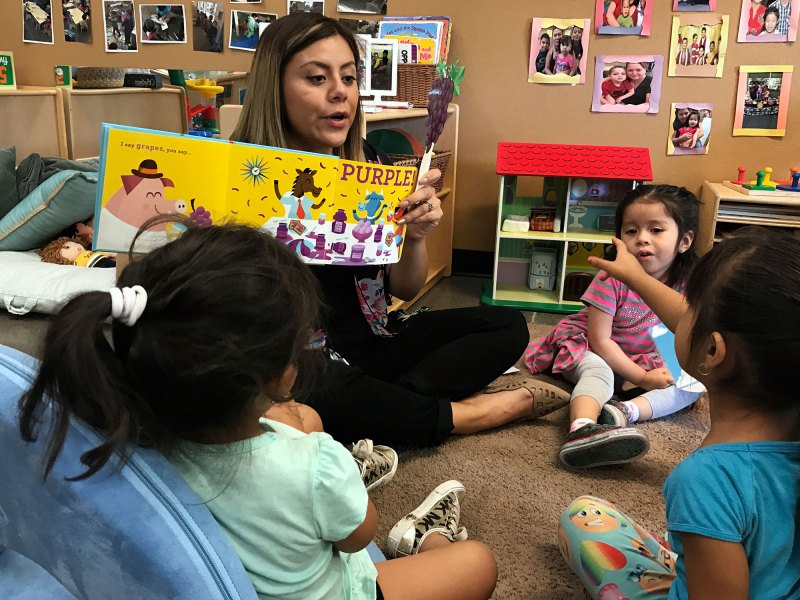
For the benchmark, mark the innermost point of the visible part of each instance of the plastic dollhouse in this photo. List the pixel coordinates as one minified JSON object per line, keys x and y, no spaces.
{"x":556,"y":208}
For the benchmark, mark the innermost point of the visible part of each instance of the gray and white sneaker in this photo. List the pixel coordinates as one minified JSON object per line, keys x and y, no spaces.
{"x":614,"y":413}
{"x":439,"y":513}
{"x":377,"y":464}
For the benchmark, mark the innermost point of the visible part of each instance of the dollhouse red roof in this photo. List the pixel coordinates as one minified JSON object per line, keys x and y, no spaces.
{"x":566,"y":160}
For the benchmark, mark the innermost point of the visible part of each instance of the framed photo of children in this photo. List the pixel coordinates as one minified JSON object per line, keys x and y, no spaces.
{"x":383,"y":67}
{"x":694,"y":5}
{"x":627,"y":83}
{"x":247,"y":27}
{"x":559,"y":48}
{"x":762,"y":100}
{"x":769,"y":20}
{"x":623,"y":17}
{"x":162,"y":24}
{"x":699,"y":43}
{"x":363,"y":68}
{"x":689,"y":129}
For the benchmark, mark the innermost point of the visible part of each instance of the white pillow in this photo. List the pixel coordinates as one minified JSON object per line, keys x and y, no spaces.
{"x":27,"y":284}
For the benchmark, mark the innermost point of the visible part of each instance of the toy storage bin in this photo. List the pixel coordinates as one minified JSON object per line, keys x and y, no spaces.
{"x":542,"y":219}
{"x":440,"y":160}
{"x":544,"y":264}
{"x":414,"y":81}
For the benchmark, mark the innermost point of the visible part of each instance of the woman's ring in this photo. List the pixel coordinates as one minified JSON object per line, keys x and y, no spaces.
{"x":430,"y":206}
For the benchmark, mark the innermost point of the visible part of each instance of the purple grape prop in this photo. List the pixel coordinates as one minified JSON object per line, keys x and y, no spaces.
{"x":442,"y":91}
{"x":199,"y":217}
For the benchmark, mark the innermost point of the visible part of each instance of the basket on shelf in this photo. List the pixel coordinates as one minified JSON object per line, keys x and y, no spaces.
{"x":98,"y":77}
{"x":414,"y":81}
{"x":440,"y":160}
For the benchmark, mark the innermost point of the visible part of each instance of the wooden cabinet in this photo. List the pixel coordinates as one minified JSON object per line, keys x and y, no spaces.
{"x":33,"y":121}
{"x":440,"y":241}
{"x":724,"y":210}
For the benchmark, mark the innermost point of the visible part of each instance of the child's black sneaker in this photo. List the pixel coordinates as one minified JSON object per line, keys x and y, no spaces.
{"x":439,"y":513}
{"x":614,"y":413}
{"x":377,"y":464}
{"x":597,"y":444}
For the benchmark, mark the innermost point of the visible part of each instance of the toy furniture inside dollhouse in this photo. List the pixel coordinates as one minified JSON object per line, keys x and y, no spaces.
{"x":556,"y":208}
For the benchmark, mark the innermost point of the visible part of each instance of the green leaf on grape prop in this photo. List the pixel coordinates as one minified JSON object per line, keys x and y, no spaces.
{"x":444,"y":87}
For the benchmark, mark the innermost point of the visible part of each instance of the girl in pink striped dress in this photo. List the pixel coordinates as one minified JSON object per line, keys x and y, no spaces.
{"x":610,"y":336}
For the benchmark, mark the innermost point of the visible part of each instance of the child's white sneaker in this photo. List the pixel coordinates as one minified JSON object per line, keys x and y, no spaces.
{"x":439,"y":513}
{"x":377,"y":464}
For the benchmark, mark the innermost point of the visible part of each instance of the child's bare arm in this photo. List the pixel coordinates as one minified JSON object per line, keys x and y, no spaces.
{"x":607,"y":99}
{"x":363,"y":534}
{"x":600,"y":342}
{"x":715,"y":569}
{"x":625,"y":95}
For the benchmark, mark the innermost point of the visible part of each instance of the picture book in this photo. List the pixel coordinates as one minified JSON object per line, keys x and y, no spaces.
{"x":447,"y":29}
{"x":427,"y":35}
{"x":328,"y":210}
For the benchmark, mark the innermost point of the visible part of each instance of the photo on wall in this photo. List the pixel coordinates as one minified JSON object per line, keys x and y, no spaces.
{"x":627,"y":83}
{"x":246,"y":1}
{"x":769,"y":20}
{"x":247,"y":27}
{"x":694,"y":5}
{"x":209,"y":24}
{"x":690,"y":128}
{"x":162,"y":24}
{"x":699,"y":44}
{"x":364,"y":74}
{"x":37,"y":24}
{"x":77,"y":21}
{"x":762,"y":100}
{"x":370,"y":7}
{"x":119,"y":25}
{"x":559,"y":48}
{"x":296,"y":6}
{"x":623,"y":17}
{"x":361,"y":26}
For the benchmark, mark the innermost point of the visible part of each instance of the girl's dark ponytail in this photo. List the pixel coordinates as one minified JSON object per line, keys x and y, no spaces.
{"x":80,"y":376}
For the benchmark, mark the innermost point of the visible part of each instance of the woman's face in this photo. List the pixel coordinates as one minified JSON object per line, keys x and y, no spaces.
{"x":682,"y":114}
{"x":635,"y":71}
{"x":320,"y":95}
{"x":557,"y":33}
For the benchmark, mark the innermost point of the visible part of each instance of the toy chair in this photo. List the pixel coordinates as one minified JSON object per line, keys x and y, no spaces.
{"x":138,"y":532}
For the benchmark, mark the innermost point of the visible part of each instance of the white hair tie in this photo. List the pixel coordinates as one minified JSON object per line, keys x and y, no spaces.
{"x":128,"y":303}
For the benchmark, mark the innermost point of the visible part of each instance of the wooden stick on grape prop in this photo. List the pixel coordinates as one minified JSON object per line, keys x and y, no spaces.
{"x":444,"y":87}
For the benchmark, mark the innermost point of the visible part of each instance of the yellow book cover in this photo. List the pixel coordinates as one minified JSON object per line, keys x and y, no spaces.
{"x":329,"y":210}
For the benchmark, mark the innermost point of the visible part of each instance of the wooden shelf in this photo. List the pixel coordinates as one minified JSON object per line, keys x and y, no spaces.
{"x":715,"y":195}
{"x":570,"y":236}
{"x":402,"y":113}
{"x":524,"y":298}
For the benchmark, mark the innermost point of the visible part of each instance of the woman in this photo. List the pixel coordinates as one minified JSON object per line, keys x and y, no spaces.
{"x":637,"y":75}
{"x":404,"y":383}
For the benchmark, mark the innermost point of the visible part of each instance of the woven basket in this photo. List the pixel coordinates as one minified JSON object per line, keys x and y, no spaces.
{"x":413,"y":84}
{"x":440,"y":160}
{"x":98,"y":77}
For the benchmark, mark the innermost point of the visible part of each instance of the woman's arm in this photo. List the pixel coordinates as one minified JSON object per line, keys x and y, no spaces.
{"x":626,"y":95}
{"x":363,"y":534}
{"x":612,"y":20}
{"x":715,"y":569}
{"x":547,"y":69}
{"x":424,"y":211}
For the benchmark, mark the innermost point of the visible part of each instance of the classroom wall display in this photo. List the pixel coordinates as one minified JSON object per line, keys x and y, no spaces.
{"x":762,"y":100}
{"x":689,"y":129}
{"x":623,"y":17}
{"x":77,"y":21}
{"x":247,"y":27}
{"x":315,"y":6}
{"x":208,"y":19}
{"x":769,"y":20}
{"x":698,"y":46}
{"x":627,"y":83}
{"x":559,"y":48}
{"x":361,"y":26}
{"x":370,"y":7}
{"x":694,"y":5}
{"x":119,"y":25}
{"x":37,"y":24}
{"x":162,"y":24}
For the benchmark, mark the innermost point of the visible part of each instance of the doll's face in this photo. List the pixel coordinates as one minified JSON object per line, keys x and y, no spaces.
{"x":70,"y":251}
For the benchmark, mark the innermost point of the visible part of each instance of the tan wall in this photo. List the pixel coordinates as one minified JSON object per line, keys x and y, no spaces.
{"x":493,"y":40}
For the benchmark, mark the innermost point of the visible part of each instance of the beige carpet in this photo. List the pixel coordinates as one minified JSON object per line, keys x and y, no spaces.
{"x":517,"y":488}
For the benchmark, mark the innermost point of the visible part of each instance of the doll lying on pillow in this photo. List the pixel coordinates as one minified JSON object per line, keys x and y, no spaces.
{"x":69,"y":251}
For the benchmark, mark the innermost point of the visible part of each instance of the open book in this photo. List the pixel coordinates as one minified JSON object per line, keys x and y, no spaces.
{"x":329,"y":210}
